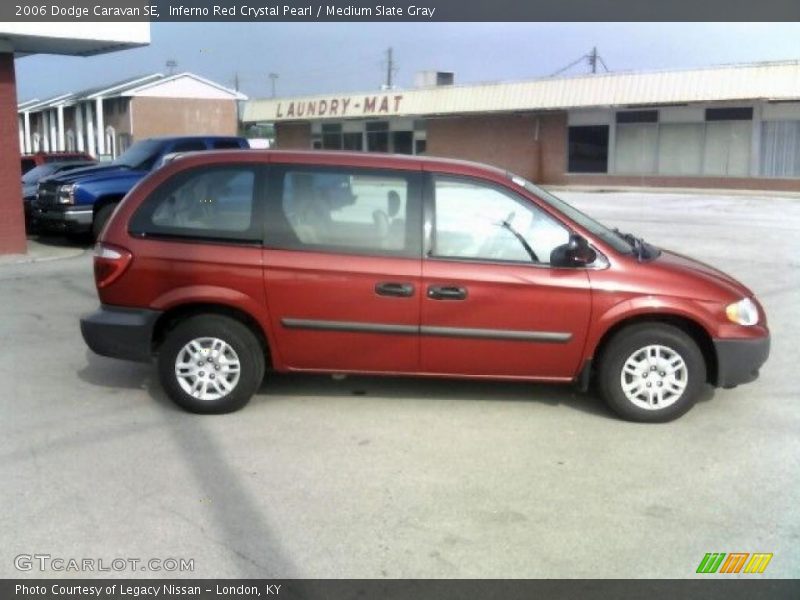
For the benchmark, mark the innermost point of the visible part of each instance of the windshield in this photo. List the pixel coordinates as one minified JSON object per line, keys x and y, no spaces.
{"x":141,"y":155}
{"x":595,"y":227}
{"x":36,"y":174}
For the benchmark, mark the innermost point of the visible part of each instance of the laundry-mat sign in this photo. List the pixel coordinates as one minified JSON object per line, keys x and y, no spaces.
{"x":347,"y":106}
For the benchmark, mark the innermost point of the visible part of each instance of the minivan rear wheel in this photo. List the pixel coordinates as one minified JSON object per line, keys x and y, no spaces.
{"x":211,"y":364}
{"x":651,"y":372}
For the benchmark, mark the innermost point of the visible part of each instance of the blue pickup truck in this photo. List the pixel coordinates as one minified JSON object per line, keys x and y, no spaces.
{"x":81,"y":201}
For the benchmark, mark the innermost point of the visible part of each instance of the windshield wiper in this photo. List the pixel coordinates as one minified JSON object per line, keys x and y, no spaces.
{"x":637,"y":244}
{"x":507,"y":225}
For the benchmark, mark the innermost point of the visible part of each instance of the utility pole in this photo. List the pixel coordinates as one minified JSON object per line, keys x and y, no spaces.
{"x":238,"y":104}
{"x":389,"y":68}
{"x":171,"y":64}
{"x":272,"y":78}
{"x":593,"y":59}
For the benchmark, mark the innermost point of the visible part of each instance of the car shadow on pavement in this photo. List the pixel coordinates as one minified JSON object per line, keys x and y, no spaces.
{"x":240,"y":527}
{"x":450,"y":389}
{"x":116,"y":374}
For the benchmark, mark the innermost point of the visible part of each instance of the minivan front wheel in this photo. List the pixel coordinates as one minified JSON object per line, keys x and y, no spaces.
{"x":211,"y":364}
{"x":651,"y":372}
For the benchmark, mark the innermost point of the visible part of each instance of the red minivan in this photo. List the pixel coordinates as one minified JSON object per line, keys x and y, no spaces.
{"x":222,"y":264}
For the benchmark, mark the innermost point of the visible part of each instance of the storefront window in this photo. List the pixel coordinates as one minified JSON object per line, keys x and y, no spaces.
{"x":377,"y":136}
{"x":403,"y":142}
{"x":588,"y":149}
{"x":727,"y":148}
{"x":680,"y":148}
{"x":636,"y":147}
{"x":780,"y":149}
{"x":353,"y":141}
{"x":332,"y":137}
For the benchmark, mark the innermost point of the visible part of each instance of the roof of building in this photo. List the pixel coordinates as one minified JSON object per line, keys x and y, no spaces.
{"x":75,"y":38}
{"x":147,"y":87}
{"x":35,"y":105}
{"x":754,"y":81}
{"x":118,"y":87}
{"x":183,"y":85}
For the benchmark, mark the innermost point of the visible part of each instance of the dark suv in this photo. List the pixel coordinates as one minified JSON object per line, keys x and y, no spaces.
{"x":223,"y":264}
{"x":82,"y":200}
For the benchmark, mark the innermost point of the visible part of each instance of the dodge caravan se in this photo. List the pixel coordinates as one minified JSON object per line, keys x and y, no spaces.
{"x":222,"y":264}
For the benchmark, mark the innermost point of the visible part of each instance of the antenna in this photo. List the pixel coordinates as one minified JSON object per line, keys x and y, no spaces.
{"x":171,"y":65}
{"x":273,"y":77}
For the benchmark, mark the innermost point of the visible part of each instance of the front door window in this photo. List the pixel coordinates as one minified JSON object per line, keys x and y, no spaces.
{"x":482,"y":222}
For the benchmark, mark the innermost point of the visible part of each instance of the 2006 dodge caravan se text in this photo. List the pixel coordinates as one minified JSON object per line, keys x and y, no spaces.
{"x":223,"y":263}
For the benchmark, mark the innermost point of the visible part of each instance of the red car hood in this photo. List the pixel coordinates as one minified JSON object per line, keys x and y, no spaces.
{"x":675,"y":263}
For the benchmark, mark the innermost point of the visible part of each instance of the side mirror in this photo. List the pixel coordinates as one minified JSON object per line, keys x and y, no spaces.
{"x":575,"y":253}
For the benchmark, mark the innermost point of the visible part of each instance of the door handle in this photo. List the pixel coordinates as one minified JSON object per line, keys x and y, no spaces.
{"x":447,"y":292}
{"x":391,"y":288}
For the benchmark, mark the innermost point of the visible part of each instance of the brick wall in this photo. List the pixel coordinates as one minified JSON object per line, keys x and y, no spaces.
{"x":293,"y":136}
{"x":506,"y":141}
{"x":12,"y":220}
{"x":182,"y":116}
{"x":553,"y":134}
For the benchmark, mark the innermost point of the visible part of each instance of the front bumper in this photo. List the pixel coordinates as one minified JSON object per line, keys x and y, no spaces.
{"x":125,"y":333}
{"x":738,"y":361}
{"x":71,"y":219}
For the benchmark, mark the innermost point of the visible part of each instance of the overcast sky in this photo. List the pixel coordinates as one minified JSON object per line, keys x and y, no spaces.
{"x":322,"y":58}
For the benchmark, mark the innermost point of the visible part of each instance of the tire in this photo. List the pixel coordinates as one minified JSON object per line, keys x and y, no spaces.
{"x":207,"y":393}
{"x":655,"y":395}
{"x":101,"y":218}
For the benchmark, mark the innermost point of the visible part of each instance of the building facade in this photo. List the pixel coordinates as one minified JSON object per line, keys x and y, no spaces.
{"x":735,"y":126}
{"x":21,"y":39}
{"x":104,"y":121}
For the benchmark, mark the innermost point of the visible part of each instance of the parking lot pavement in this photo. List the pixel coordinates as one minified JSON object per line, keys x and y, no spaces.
{"x":370,"y":477}
{"x":43,"y":248}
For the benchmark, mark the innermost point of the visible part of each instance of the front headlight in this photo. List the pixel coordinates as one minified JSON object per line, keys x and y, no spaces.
{"x":743,"y":312}
{"x":66,"y":194}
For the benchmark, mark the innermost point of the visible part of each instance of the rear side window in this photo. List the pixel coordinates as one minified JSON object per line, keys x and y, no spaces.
{"x":206,"y":203}
{"x":27,"y":164}
{"x":357,"y":211}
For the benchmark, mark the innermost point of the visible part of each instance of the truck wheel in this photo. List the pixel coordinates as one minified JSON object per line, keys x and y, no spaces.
{"x":651,"y":373}
{"x":101,"y":218}
{"x":211,"y":364}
